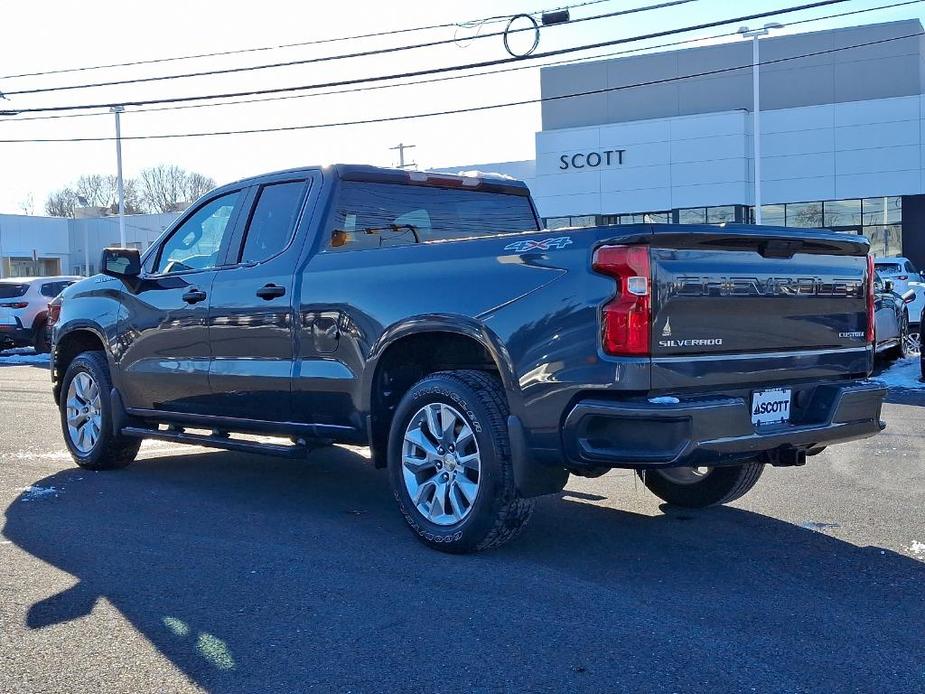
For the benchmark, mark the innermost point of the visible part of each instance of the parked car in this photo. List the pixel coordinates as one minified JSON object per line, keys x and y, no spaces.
{"x":481,"y":357}
{"x":26,"y":298}
{"x":892,"y":318}
{"x":9,"y":327}
{"x":905,"y":276}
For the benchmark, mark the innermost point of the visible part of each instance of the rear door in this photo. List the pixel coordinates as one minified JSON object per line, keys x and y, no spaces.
{"x":251,"y":316}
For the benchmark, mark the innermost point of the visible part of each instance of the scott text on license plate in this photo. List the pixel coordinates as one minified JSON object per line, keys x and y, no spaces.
{"x":770,"y":406}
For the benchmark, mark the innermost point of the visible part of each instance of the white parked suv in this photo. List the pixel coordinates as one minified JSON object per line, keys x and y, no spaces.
{"x":24,"y":301}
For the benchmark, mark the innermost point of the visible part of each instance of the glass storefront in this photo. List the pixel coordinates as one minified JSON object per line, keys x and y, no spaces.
{"x":879,"y":219}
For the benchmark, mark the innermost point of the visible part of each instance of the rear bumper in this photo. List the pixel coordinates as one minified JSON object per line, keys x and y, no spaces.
{"x":14,"y":333}
{"x":717,"y":430}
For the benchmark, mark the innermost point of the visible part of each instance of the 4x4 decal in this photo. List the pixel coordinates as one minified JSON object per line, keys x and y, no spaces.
{"x":534,"y":245}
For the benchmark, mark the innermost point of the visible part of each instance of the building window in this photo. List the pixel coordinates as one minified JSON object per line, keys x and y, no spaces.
{"x":588,"y":220}
{"x":841,"y":213}
{"x":885,"y":239}
{"x":773,"y":215}
{"x":721,"y":215}
{"x":692,"y":215}
{"x":804,"y":214}
{"x":880,"y":211}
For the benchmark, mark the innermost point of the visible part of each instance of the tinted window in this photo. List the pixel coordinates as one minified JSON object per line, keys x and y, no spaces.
{"x":273,"y":222}
{"x":11,"y":291}
{"x":910,"y":267}
{"x":51,"y":290}
{"x":195,"y":244}
{"x":372,"y":215}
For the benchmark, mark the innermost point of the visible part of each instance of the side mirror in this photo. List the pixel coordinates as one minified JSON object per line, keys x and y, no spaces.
{"x":121,"y":263}
{"x":887,"y":285}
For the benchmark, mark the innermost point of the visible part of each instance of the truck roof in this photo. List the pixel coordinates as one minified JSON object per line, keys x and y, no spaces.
{"x":378,"y":174}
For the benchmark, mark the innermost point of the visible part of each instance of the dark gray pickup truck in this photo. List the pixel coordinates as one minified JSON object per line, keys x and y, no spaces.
{"x":481,"y":357}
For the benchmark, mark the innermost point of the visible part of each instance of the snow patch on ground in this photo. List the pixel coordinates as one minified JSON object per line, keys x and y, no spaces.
{"x":917,"y":548}
{"x":904,"y":374}
{"x":22,"y":355}
{"x":35,"y":493}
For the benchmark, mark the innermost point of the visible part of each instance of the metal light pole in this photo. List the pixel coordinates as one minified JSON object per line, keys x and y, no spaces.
{"x":117,"y":110}
{"x":755,"y":35}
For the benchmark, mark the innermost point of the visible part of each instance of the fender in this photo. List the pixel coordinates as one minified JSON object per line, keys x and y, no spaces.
{"x":444,"y":323}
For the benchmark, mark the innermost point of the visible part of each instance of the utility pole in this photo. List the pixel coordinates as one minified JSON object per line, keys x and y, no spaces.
{"x":117,"y":110}
{"x":401,"y":147}
{"x":755,"y":35}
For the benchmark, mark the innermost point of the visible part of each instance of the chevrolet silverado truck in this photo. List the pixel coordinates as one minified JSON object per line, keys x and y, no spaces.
{"x":481,"y":357}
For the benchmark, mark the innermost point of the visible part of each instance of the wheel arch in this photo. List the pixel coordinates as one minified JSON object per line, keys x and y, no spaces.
{"x":70,"y":341}
{"x":410,"y":350}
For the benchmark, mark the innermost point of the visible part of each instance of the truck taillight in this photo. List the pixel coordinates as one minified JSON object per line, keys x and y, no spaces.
{"x":626,"y":318}
{"x":54,"y":313}
{"x":871,"y":320}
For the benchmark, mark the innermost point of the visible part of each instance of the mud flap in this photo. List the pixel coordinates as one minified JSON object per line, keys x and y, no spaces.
{"x":531,"y":478}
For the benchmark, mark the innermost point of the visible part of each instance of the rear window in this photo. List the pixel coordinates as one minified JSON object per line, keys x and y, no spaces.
{"x":889,"y":267}
{"x":11,"y":291}
{"x":374,"y":215}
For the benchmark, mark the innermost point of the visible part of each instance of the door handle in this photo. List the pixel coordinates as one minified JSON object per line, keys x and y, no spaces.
{"x":271,"y":291}
{"x":194,"y":296}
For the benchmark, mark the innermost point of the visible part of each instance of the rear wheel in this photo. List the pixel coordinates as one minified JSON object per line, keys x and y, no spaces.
{"x":702,"y":486}
{"x":42,"y":342}
{"x":86,"y":416}
{"x":450,"y":463}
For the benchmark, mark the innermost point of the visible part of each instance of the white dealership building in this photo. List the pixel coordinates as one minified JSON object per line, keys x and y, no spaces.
{"x":842,"y":136}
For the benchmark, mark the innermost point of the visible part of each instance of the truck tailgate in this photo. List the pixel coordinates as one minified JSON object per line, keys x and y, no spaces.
{"x":757,"y":305}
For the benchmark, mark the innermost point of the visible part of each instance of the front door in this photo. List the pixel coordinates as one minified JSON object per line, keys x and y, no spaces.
{"x":164,"y":333}
{"x":251,"y":315}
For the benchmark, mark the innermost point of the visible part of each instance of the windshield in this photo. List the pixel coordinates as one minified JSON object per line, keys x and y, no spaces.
{"x":889,"y":267}
{"x":11,"y":291}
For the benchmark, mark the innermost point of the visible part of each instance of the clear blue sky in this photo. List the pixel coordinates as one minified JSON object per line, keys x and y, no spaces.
{"x":47,"y":35}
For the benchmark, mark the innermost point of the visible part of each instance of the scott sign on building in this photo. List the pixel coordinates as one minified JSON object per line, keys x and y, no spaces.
{"x":607,"y":157}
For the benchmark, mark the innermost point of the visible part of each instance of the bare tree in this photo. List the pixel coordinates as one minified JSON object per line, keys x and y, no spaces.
{"x":197,"y":185}
{"x":162,"y":187}
{"x":103,"y":191}
{"x":61,"y":203}
{"x":27,"y":205}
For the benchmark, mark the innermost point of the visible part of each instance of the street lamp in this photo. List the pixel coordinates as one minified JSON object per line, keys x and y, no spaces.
{"x":755,"y":35}
{"x":117,"y":110}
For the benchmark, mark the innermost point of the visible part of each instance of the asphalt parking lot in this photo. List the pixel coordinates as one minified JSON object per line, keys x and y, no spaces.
{"x":201,"y":570}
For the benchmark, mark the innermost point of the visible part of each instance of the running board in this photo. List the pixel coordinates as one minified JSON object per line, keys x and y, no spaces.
{"x":218,"y":441}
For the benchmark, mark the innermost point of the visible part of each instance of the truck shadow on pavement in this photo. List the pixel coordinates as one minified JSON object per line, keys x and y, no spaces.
{"x":254,"y":574}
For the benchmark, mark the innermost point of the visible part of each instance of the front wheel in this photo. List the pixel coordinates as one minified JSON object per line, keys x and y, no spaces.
{"x":450,"y":463}
{"x":699,"y":487}
{"x":86,"y":416}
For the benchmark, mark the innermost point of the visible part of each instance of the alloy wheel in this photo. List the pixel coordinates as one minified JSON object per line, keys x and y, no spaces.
{"x":441,"y":464}
{"x":84,"y":412}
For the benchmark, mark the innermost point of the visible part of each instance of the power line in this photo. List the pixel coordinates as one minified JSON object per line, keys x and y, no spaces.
{"x":328,"y":58}
{"x":434,"y":71}
{"x":376,"y":34}
{"x":473,"y":109}
{"x":609,"y":54}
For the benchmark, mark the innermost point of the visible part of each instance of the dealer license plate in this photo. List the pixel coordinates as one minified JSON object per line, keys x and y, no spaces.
{"x":771,"y":406}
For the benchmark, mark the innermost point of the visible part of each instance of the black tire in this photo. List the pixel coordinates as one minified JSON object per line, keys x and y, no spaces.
{"x":42,"y":343}
{"x":498,"y":514}
{"x":720,"y":485}
{"x":110,"y":452}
